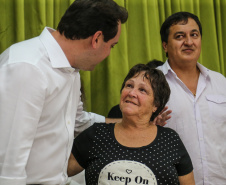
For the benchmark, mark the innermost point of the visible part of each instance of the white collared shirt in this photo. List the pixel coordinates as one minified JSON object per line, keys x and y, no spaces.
{"x":39,"y":106}
{"x":201,"y":122}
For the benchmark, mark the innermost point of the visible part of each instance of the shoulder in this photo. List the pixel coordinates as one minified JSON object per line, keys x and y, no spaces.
{"x":168,"y":132}
{"x":212,"y":75}
{"x":216,"y":76}
{"x":116,"y":107}
{"x":95,"y":130}
{"x":217,"y":82}
{"x":29,"y":51}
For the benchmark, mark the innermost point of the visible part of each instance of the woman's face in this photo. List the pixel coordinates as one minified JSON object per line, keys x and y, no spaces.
{"x":137,"y":97}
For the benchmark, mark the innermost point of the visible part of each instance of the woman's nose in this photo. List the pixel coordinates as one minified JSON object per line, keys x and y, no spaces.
{"x":133,"y":93}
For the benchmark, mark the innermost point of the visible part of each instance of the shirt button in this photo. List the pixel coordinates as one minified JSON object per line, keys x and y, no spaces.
{"x":68,"y":122}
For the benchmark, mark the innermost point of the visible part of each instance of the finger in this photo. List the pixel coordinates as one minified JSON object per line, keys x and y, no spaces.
{"x":164,"y":109}
{"x":167,"y":118}
{"x":167,"y":113}
{"x":155,"y":121}
{"x":164,"y":124}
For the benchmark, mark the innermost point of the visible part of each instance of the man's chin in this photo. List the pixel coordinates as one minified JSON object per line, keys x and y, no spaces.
{"x":90,"y":68}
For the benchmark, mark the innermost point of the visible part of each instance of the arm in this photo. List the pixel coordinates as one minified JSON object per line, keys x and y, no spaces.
{"x":73,"y":166}
{"x":187,"y":179}
{"x":184,"y":166}
{"x":80,"y":155}
{"x":22,"y":94}
{"x":85,"y":119}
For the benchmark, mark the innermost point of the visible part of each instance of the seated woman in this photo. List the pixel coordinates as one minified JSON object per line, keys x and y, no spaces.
{"x":134,"y":151}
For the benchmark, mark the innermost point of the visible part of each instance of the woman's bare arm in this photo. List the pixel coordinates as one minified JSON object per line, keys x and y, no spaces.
{"x":187,"y":179}
{"x":73,"y":166}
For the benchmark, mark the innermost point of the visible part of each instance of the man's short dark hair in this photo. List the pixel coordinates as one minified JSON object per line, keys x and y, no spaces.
{"x":85,"y":17}
{"x":174,"y":19}
{"x":160,"y":86}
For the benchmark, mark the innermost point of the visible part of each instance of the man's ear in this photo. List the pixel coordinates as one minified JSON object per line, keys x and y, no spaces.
{"x":97,"y":38}
{"x":164,"y":45}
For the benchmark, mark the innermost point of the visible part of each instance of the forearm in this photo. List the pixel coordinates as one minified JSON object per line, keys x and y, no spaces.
{"x":85,"y":119}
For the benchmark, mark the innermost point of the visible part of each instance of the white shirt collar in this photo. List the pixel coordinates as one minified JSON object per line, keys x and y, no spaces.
{"x":166,"y":68}
{"x":56,"y":54}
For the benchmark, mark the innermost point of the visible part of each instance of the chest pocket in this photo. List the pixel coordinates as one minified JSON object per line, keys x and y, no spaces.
{"x":217,"y":107}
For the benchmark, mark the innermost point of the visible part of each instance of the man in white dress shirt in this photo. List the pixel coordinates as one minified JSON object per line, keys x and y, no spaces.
{"x":198,"y":98}
{"x":40,"y":106}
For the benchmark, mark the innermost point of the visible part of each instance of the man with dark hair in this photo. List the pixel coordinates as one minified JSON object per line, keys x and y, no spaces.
{"x":198,"y":98}
{"x":102,"y":15}
{"x":40,"y":106}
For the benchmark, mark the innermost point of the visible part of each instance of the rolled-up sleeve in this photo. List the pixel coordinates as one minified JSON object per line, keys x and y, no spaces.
{"x":21,"y":103}
{"x":85,"y":119}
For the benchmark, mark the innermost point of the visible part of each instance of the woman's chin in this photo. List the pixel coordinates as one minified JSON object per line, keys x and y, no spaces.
{"x":129,"y":112}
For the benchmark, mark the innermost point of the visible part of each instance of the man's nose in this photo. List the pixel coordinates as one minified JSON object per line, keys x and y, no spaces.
{"x":188,"y":41}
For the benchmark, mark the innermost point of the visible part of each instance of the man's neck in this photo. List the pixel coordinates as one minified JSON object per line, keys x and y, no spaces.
{"x":188,"y":73}
{"x":73,"y":49}
{"x":183,"y":69}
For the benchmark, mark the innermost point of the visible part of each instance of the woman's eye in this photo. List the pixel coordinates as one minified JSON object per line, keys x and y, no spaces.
{"x":143,"y":90}
{"x":128,"y":85}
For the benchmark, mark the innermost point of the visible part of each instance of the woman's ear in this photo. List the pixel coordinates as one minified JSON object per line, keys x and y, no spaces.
{"x":97,"y":39}
{"x":154,"y":109}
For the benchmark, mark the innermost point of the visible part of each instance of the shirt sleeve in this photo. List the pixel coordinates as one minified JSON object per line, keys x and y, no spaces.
{"x":85,"y":119}
{"x":22,"y":94}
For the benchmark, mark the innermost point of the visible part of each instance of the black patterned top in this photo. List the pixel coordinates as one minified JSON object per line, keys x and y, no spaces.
{"x":108,"y":162}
